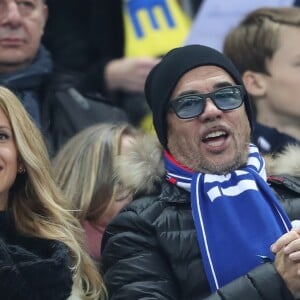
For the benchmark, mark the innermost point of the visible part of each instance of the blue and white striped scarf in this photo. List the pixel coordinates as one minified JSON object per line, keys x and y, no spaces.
{"x":237,"y":217}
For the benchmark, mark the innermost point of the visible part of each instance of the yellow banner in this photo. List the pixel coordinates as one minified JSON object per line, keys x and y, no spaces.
{"x":153,"y":27}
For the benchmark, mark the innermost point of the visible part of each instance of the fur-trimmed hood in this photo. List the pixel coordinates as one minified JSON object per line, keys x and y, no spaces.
{"x":287,"y":162}
{"x":145,"y":165}
{"x":146,"y":168}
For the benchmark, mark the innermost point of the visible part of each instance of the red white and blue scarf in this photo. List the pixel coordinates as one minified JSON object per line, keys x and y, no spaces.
{"x":237,"y":217}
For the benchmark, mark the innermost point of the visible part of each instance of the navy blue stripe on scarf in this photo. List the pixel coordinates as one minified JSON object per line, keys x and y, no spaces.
{"x":237,"y":217}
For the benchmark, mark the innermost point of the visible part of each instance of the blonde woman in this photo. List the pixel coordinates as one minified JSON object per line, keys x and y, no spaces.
{"x":84,"y":169}
{"x":41,"y":249}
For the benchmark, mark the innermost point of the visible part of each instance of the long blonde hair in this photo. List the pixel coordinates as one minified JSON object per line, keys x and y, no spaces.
{"x":38,"y":205}
{"x":84,"y":168}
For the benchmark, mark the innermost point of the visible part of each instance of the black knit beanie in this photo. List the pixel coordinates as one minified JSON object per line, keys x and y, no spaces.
{"x":164,"y":76}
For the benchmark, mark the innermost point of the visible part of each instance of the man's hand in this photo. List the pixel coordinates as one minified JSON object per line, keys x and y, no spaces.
{"x":129,"y":74}
{"x":287,"y":260}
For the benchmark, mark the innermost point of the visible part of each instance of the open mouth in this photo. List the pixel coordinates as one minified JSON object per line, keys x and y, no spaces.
{"x":215,"y":138}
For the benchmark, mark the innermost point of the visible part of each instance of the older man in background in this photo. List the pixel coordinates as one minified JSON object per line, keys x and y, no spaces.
{"x":24,"y":63}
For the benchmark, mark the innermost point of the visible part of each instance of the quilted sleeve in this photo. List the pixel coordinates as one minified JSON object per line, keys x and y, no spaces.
{"x":132,"y":263}
{"x":263,"y":283}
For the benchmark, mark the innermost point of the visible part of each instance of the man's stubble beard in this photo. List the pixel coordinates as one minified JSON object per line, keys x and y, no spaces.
{"x":198,"y":163}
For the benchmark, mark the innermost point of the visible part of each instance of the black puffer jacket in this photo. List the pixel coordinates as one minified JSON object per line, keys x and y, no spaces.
{"x":150,"y":250}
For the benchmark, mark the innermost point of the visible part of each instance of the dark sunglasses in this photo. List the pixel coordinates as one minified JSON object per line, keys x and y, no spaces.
{"x":192,"y":105}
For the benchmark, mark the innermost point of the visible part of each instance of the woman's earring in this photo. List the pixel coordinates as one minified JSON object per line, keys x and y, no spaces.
{"x":21,"y":170}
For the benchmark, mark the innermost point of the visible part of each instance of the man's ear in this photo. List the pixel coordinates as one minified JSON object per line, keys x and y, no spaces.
{"x":255,"y":83}
{"x":45,"y":13}
{"x":45,"y":18}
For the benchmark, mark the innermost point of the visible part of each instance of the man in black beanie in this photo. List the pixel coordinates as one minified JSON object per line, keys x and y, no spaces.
{"x":210,"y":227}
{"x":164,"y":77}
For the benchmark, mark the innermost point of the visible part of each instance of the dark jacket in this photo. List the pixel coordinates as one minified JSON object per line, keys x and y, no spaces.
{"x":150,"y":249}
{"x":270,"y":140}
{"x":29,"y":83}
{"x":32,"y":268}
{"x":83,"y":36}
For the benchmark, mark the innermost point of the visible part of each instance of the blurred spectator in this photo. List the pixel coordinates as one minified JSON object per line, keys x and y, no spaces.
{"x":84,"y":169}
{"x":110,"y":46}
{"x":215,"y":18}
{"x":41,"y":244}
{"x":24,"y":63}
{"x":265,"y":49}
